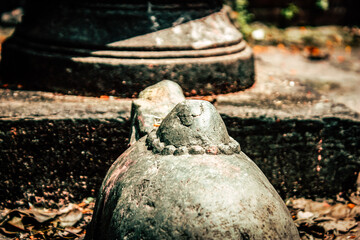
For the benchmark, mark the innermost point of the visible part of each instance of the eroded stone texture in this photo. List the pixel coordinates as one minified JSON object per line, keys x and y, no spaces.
{"x":154,"y":103}
{"x":195,"y":195}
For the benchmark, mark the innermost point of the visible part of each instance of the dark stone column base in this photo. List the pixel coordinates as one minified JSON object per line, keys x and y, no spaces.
{"x":102,"y":75}
{"x":204,"y":54}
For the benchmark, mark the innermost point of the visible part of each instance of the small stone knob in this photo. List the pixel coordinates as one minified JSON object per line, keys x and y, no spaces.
{"x":192,"y":127}
{"x":193,"y":122}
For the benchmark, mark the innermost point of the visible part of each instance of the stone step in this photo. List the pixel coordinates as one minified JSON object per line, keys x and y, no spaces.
{"x":60,"y":146}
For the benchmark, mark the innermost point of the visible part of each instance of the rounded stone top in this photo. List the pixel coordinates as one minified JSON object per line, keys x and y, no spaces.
{"x":166,"y":90}
{"x":192,"y":127}
{"x":193,"y":122}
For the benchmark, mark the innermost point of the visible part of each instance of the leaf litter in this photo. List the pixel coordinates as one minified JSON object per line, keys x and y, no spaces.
{"x":319,"y":219}
{"x":65,"y":222}
{"x":327,"y":219}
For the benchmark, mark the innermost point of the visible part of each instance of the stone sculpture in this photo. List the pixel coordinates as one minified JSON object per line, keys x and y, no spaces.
{"x":152,"y":106}
{"x":188,"y":180}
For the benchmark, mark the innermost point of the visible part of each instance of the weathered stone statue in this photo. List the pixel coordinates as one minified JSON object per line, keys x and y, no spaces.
{"x":119,"y":47}
{"x":188,"y":180}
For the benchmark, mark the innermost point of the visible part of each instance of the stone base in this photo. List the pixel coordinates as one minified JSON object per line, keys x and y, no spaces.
{"x":59,"y":72}
{"x":204,"y":53}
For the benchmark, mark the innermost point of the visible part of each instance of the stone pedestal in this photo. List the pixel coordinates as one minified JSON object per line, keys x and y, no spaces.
{"x":120,"y":47}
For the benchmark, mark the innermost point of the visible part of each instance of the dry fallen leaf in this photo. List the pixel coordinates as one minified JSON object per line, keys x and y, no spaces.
{"x":355,"y":212}
{"x":42,"y":214}
{"x":318,"y":208}
{"x":17,"y":222}
{"x":355,"y":198}
{"x":304,"y":215}
{"x":71,"y":218}
{"x":67,"y":208}
{"x":340,"y":225}
{"x":74,"y":230}
{"x":3,"y":214}
{"x":300,"y":203}
{"x":339,"y":211}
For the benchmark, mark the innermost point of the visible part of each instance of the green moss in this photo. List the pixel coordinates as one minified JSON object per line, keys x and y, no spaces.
{"x":323,"y":4}
{"x":243,"y":17}
{"x":290,"y":12}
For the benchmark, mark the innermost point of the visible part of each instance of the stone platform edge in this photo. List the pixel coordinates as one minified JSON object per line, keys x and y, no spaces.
{"x":56,"y":146}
